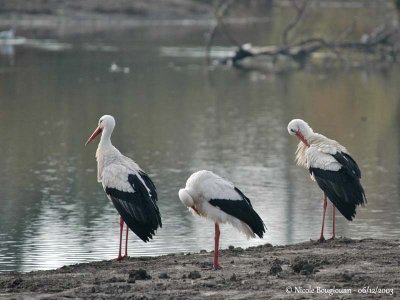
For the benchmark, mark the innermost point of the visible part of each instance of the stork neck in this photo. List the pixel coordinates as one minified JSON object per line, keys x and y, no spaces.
{"x":105,"y":140}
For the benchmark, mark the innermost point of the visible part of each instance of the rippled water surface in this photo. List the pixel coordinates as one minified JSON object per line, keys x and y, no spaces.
{"x":174,"y":117}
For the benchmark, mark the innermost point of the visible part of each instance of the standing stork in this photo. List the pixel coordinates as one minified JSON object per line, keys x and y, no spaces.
{"x":129,"y":188}
{"x":332,"y":167}
{"x":217,"y":199}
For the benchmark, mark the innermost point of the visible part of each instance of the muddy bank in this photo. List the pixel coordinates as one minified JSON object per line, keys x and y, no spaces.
{"x":356,"y":269}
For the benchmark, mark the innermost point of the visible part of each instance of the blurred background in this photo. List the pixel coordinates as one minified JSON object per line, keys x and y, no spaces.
{"x":63,"y":64}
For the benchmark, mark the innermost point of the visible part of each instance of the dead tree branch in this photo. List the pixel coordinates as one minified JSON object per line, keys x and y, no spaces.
{"x":220,"y":11}
{"x":380,"y":40}
{"x":300,"y":10}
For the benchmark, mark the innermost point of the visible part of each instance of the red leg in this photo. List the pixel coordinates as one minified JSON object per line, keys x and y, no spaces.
{"x":333,"y":222}
{"x":126,"y":241}
{"x":216,"y":265}
{"x":325,"y":203}
{"x":121,"y":228}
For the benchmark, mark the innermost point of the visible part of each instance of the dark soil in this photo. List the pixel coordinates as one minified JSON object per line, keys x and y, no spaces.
{"x":263,"y":272}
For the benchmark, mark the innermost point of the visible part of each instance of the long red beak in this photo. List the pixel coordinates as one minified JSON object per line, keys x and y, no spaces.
{"x":94,"y":134}
{"x":302,"y":138}
{"x":194,"y":208}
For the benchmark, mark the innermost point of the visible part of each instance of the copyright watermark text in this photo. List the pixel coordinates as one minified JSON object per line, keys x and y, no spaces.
{"x":335,"y":291}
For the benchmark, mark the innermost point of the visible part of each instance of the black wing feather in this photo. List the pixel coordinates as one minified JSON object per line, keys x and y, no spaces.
{"x":243,"y":196}
{"x":343,"y":188}
{"x":348,"y":163}
{"x":138,"y":210}
{"x":149,"y":183}
{"x":242,"y":210}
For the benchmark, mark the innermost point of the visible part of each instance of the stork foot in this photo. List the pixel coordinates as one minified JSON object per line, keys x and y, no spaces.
{"x":217,"y":267}
{"x":332,"y":238}
{"x":321,"y":239}
{"x":119,"y":258}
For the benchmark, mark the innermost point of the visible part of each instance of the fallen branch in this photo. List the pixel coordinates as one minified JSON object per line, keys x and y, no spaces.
{"x":380,"y":40}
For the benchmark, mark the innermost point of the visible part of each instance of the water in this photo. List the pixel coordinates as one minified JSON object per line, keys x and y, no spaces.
{"x":174,"y":117}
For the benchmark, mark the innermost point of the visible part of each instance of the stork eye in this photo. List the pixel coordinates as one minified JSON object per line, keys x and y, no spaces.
{"x":292,"y":130}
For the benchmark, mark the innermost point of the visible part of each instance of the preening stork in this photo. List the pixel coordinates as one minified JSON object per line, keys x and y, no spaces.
{"x":332,"y":167}
{"x":131,"y":191}
{"x":210,"y":196}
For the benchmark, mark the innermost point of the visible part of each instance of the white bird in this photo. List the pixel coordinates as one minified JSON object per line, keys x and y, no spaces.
{"x":131,"y":191}
{"x":114,"y":68}
{"x":332,"y":167}
{"x":217,"y":199}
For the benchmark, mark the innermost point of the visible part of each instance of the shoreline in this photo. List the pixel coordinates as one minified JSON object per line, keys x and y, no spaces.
{"x":305,"y":270}
{"x":63,"y":18}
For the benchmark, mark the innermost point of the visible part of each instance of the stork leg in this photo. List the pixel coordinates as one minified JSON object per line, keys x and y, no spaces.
{"x":333,"y":222}
{"x":217,"y":232}
{"x":325,"y":203}
{"x":121,"y":229}
{"x":126,"y":242}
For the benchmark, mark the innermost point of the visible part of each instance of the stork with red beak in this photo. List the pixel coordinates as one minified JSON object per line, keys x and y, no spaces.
{"x":334,"y":170}
{"x":131,"y":191}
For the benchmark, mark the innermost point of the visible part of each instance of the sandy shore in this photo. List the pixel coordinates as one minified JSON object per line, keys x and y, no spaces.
{"x":369,"y":268}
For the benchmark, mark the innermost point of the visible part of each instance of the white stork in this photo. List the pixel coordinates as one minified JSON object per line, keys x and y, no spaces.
{"x":217,"y":199}
{"x":131,"y":191}
{"x":332,"y":167}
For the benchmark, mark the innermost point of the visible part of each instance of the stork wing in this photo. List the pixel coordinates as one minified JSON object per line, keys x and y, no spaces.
{"x":150,"y":185}
{"x":318,"y":157}
{"x":338,"y":175}
{"x":213,"y":186}
{"x":134,"y":198}
{"x":242,"y":210}
{"x":348,"y":163}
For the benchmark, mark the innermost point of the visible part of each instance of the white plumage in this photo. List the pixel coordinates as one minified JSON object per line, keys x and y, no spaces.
{"x":314,"y":149}
{"x":217,"y":199}
{"x":332,"y":167}
{"x":127,"y":185}
{"x":316,"y":157}
{"x":203,"y":186}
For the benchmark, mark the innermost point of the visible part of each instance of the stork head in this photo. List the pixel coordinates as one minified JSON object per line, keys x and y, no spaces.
{"x":300,"y":129}
{"x":106,"y":123}
{"x":185,"y":198}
